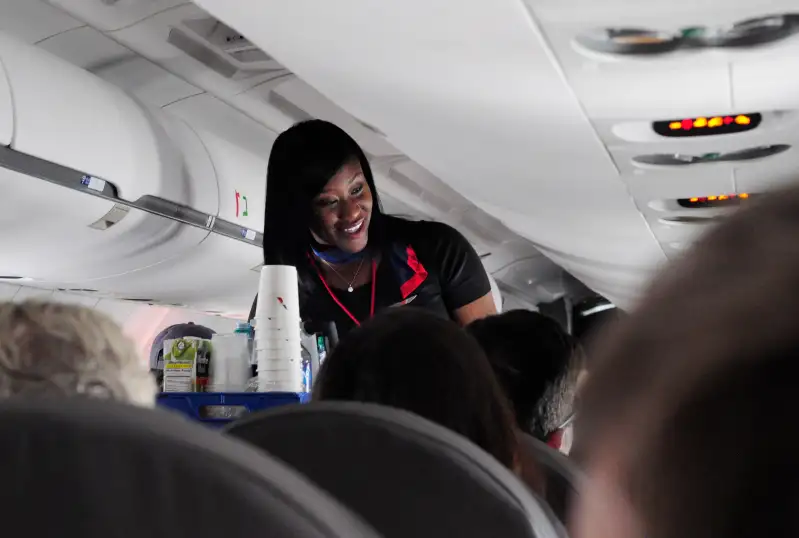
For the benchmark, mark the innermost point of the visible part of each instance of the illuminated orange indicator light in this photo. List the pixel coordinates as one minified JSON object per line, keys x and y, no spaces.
{"x":707,"y":125}
{"x":715,"y":122}
{"x":719,"y":198}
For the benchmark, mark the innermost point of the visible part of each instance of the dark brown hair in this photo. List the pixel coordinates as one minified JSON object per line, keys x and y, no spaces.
{"x":694,"y":390}
{"x":411,"y":359}
{"x":537,"y":364}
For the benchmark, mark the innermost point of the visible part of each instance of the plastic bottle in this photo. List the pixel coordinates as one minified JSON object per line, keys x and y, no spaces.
{"x":243,"y":327}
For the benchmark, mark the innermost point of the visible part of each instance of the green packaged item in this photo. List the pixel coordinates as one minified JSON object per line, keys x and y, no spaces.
{"x":186,"y":364}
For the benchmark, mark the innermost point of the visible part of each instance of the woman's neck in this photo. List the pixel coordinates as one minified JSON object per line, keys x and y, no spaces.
{"x":335,"y":255}
{"x":353,"y":274}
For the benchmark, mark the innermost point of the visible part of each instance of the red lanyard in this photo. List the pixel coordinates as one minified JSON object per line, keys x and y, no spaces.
{"x":339,"y":303}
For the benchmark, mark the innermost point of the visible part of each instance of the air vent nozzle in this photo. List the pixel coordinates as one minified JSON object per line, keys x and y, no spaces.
{"x":643,"y":41}
{"x":628,"y":41}
{"x":685,"y":219}
{"x":679,"y":159}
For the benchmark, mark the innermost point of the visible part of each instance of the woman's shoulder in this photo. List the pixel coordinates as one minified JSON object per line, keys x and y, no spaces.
{"x":424,"y":232}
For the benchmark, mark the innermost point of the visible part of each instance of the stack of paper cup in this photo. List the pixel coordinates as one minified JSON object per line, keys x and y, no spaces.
{"x":277,"y":330}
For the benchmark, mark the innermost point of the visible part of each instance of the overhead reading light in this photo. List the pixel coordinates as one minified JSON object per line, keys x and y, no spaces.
{"x":707,"y":125}
{"x":681,"y":159}
{"x":721,"y":200}
{"x":637,"y":41}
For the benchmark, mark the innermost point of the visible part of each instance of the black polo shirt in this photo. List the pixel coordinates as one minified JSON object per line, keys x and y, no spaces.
{"x":426,"y":264}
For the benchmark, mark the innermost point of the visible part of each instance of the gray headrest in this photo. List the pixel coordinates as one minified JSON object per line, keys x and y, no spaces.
{"x":403,"y":474}
{"x":76,"y":467}
{"x":562,"y":478}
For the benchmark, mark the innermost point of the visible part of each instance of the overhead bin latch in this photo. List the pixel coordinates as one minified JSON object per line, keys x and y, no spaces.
{"x":114,"y":215}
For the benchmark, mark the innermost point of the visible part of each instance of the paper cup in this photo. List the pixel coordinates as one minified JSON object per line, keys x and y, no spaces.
{"x":278,"y":294}
{"x":230,"y":363}
{"x":279,"y":386}
{"x":277,"y":343}
{"x":283,"y":357}
{"x":280,"y":381}
{"x":282,"y":363}
{"x":265,"y":337}
{"x":277,"y":322}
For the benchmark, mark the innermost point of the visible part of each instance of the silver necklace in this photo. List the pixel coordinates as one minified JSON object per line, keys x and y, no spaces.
{"x":349,"y":284}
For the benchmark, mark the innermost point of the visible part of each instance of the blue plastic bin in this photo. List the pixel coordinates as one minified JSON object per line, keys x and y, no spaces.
{"x":192,"y":403}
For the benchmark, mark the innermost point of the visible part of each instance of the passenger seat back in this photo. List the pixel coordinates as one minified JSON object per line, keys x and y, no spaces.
{"x":92,"y":469}
{"x":404,"y":475}
{"x":559,"y":476}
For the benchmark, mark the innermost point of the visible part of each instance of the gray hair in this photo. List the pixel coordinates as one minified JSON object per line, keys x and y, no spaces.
{"x":60,"y":349}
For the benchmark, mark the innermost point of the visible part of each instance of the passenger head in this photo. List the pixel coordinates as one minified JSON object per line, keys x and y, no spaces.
{"x":52,"y":349}
{"x":537,"y":363}
{"x":319,"y":188}
{"x":688,"y":413}
{"x":413,"y":360}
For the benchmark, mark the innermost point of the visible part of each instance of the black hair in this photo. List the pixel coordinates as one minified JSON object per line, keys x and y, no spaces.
{"x":536,"y":362}
{"x":411,"y":359}
{"x":303,"y":159}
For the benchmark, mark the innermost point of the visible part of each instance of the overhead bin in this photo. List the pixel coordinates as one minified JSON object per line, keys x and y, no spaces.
{"x":100,"y":193}
{"x":67,"y":116}
{"x":218,"y":276}
{"x":59,"y":235}
{"x":241,"y":182}
{"x":80,"y":150}
{"x":239,"y":148}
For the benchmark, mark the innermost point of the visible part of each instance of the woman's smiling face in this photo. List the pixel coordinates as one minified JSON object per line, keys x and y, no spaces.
{"x":343,"y":210}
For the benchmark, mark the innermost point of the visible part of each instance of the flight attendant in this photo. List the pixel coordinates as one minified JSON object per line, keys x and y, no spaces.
{"x":323,"y":216}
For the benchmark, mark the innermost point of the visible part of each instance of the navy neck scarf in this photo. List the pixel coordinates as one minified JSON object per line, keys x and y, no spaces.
{"x":336,"y":255}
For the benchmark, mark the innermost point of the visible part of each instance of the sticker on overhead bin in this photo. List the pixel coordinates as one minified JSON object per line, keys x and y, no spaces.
{"x":248,"y":234}
{"x":95,"y":184}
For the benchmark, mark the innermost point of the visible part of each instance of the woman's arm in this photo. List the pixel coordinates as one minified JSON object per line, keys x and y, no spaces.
{"x":465,"y":287}
{"x":479,"y":309}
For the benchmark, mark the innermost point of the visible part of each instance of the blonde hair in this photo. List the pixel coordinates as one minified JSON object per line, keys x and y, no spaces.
{"x":60,"y":349}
